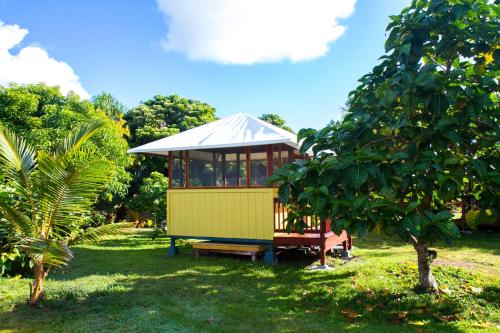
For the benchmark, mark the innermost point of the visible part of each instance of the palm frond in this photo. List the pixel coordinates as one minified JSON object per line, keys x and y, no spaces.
{"x":47,"y":251}
{"x":68,"y":192}
{"x":94,"y":234}
{"x":17,"y":162}
{"x":73,"y":142}
{"x":18,"y":221}
{"x":4,"y":229}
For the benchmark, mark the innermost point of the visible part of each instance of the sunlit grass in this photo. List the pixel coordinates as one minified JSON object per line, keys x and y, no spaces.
{"x":128,"y":284}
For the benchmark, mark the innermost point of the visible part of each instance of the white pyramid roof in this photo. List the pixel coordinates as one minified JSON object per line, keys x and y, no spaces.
{"x":239,"y":130}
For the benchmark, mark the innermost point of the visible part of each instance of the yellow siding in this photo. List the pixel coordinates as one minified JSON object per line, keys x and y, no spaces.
{"x":226,"y":213}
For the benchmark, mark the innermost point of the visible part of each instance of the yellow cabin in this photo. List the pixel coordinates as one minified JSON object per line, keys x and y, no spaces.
{"x":218,"y":186}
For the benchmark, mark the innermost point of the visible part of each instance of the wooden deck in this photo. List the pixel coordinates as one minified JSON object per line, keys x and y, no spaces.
{"x":318,"y":233}
{"x":307,"y":239}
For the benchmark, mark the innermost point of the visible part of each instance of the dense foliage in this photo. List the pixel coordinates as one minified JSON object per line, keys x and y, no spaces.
{"x":51,"y":193}
{"x":151,"y":198}
{"x":420,"y":131}
{"x":44,"y":117}
{"x":276,"y":120}
{"x":163,"y":116}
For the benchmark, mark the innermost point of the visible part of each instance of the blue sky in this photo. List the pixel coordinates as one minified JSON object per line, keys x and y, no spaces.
{"x":124,"y":47}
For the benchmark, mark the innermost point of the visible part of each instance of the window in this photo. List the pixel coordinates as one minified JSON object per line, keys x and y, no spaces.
{"x":258,"y":166}
{"x":280,"y":156}
{"x":276,"y":157}
{"x":285,"y":158}
{"x":202,"y":168}
{"x":231,"y":169}
{"x":178,"y":169}
{"x":243,"y":169}
{"x":234,"y":170}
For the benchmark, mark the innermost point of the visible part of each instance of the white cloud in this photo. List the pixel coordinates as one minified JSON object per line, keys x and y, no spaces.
{"x":253,"y":31}
{"x":32,"y":64}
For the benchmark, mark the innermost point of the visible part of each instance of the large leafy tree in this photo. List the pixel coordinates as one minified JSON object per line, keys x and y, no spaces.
{"x":160,"y":117}
{"x":421,"y":129}
{"x":276,"y":120}
{"x":52,"y":192}
{"x":44,"y":117}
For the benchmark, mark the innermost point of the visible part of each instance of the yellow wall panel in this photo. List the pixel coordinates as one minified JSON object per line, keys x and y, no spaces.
{"x":226,"y":213}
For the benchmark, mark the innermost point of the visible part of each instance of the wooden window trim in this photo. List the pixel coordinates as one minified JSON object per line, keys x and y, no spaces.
{"x":247,"y":151}
{"x":186,"y":172}
{"x":238,"y":164}
{"x":270,"y":160}
{"x":169,"y":171}
{"x":279,"y":156}
{"x":214,"y":165}
{"x":224,"y":180}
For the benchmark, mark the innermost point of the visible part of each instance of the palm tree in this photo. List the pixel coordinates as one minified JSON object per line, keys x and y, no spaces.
{"x":53,"y":192}
{"x":109,"y":104}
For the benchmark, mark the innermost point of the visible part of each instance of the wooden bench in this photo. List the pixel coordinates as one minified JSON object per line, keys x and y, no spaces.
{"x":246,"y":249}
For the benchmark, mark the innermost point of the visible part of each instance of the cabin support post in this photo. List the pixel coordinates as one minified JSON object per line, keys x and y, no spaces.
{"x":346,"y":248}
{"x":172,"y":250}
{"x":269,"y":257}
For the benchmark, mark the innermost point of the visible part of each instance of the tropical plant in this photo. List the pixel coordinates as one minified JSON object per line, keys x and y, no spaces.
{"x":421,"y":129}
{"x":52,"y":193}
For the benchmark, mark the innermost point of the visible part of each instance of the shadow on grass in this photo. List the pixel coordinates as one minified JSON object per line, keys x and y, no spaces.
{"x":481,"y":240}
{"x":152,"y":292}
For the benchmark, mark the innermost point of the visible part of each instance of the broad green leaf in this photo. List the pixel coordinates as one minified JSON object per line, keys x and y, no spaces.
{"x":480,"y":167}
{"x":399,"y":155}
{"x":317,"y":202}
{"x":442,"y":216}
{"x":307,"y":144}
{"x":358,"y":176}
{"x":324,"y":190}
{"x":284,"y":193}
{"x":412,"y":206}
{"x":306,"y":132}
{"x":304,"y":196}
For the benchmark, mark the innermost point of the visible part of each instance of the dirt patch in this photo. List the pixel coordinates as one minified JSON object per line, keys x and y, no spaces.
{"x":467,"y":265}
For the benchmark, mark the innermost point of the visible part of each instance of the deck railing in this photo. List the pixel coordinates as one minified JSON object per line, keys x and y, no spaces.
{"x":280,"y":223}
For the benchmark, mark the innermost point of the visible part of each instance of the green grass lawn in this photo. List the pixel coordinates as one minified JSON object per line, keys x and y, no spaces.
{"x":128,"y":284}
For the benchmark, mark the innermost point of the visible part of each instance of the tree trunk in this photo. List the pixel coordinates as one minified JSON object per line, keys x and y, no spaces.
{"x":37,"y":288}
{"x":425,"y":258}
